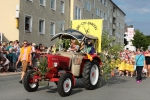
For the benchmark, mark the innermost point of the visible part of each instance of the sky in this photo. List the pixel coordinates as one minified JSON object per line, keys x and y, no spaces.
{"x":137,"y":13}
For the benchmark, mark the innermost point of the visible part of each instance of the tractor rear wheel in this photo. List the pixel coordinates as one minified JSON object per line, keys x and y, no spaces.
{"x":91,"y":75}
{"x":28,"y":82}
{"x":65,"y":85}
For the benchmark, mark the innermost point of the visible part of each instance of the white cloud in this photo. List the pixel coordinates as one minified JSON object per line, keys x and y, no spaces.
{"x":138,"y":6}
{"x":128,"y":20}
{"x":127,"y":8}
{"x":141,"y":10}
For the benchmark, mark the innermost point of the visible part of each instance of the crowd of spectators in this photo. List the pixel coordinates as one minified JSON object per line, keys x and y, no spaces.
{"x":134,"y":63}
{"x":9,"y":53}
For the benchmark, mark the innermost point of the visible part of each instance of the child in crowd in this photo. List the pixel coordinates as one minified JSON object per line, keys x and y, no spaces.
{"x":118,"y":61}
{"x":121,"y":68}
{"x":131,"y":69}
{"x":127,"y":67}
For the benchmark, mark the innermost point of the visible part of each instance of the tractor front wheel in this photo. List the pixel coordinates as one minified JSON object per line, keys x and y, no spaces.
{"x":65,"y":85}
{"x":29,"y":85}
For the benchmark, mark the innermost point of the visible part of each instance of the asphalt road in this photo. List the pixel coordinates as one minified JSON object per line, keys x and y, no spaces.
{"x":118,"y":88}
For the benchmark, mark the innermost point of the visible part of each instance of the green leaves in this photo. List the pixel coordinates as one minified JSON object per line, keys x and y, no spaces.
{"x":109,"y":54}
{"x":106,"y":41}
{"x":43,"y":66}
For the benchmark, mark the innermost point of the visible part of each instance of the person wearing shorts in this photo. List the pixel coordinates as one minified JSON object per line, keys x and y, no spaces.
{"x":25,"y":57}
{"x":147,"y":61}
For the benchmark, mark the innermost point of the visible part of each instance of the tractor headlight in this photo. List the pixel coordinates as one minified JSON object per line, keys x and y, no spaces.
{"x":55,"y":64}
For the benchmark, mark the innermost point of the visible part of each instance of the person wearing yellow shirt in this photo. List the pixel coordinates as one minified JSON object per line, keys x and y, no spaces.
{"x":53,"y":49}
{"x":127,"y":67}
{"x":122,"y":67}
{"x":131,"y":68}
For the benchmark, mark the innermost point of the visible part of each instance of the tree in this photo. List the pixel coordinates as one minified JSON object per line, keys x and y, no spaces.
{"x":148,"y":39}
{"x":109,"y":55}
{"x":140,"y":40}
{"x":106,"y":41}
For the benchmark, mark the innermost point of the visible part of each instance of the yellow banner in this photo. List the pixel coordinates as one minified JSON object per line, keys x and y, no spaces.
{"x":92,"y":27}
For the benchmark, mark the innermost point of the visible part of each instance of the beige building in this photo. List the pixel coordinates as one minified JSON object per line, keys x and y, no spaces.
{"x":38,"y":20}
{"x":33,"y":20}
{"x":8,"y":19}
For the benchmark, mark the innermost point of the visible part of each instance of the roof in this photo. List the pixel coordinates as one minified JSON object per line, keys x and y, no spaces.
{"x":118,"y":7}
{"x":71,"y":33}
{"x":86,"y":35}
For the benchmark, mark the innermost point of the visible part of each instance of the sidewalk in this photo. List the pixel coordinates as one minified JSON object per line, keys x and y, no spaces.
{"x":9,"y":74}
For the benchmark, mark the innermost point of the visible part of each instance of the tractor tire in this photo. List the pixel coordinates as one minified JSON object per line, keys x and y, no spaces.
{"x":30,"y":87}
{"x":91,"y":75}
{"x":65,"y":85}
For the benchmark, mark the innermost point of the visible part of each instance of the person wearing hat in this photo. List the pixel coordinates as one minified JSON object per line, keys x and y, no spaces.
{"x":90,"y":48}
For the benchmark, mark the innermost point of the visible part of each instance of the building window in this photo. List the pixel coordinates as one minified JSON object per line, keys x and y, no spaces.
{"x":41,"y":26}
{"x":97,"y":11}
{"x":28,"y":24}
{"x":30,"y":0}
{"x":104,"y":2}
{"x":92,"y":16}
{"x":88,"y":6}
{"x":93,"y":3}
{"x":53,"y":4}
{"x":52,"y":28}
{"x":62,"y":7}
{"x":62,"y":26}
{"x":100,"y":13}
{"x":42,"y":2}
{"x":77,"y":13}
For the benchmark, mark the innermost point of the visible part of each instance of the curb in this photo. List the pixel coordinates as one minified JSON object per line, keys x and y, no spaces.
{"x":9,"y":74}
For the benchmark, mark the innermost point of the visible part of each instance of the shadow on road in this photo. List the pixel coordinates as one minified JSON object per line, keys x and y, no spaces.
{"x":112,"y":81}
{"x":79,"y":87}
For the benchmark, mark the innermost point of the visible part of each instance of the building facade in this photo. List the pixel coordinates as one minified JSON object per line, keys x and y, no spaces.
{"x":113,"y":16}
{"x":34,"y":20}
{"x":38,"y":20}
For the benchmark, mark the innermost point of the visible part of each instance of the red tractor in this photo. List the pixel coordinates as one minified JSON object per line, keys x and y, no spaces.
{"x":65,"y":70}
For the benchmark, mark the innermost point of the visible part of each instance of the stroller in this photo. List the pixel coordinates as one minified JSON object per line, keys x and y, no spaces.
{"x":4,"y":64}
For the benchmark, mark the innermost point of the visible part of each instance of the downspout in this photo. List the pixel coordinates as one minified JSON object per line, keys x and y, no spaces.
{"x":71,"y":11}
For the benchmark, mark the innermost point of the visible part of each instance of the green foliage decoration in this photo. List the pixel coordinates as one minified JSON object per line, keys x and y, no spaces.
{"x":42,"y":67}
{"x":109,"y":55}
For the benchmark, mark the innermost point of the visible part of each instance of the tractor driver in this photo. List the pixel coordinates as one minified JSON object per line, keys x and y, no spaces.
{"x":90,"y":49}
